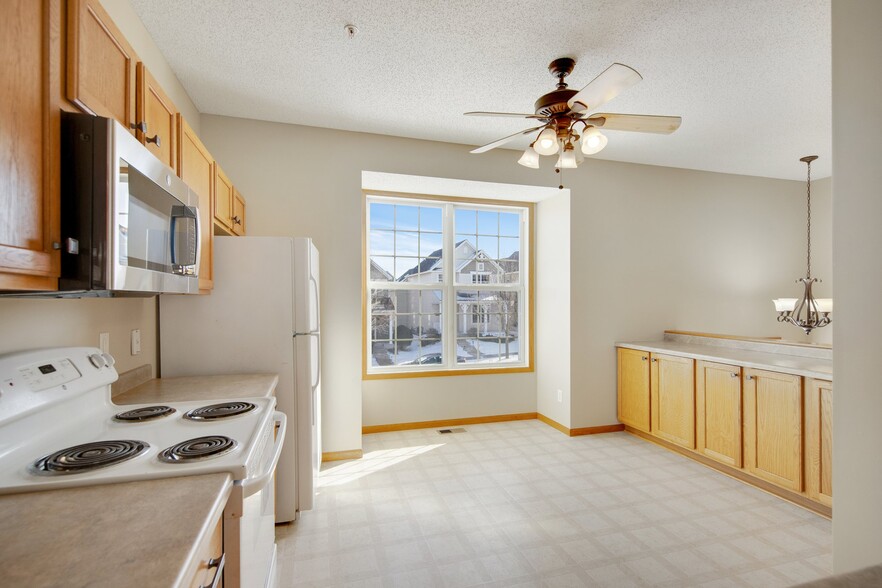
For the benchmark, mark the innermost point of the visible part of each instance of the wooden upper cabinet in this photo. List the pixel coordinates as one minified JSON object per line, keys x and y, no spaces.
{"x":819,"y":441}
{"x":223,"y":203}
{"x":29,"y":203}
{"x":633,"y":388}
{"x":196,"y":168}
{"x":238,"y":213}
{"x":156,"y":118}
{"x":718,"y":412}
{"x":100,"y":63}
{"x":672,"y":394}
{"x":773,"y":427}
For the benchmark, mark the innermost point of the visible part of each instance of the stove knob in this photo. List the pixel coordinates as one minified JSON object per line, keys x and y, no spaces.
{"x":97,"y":360}
{"x":108,"y":359}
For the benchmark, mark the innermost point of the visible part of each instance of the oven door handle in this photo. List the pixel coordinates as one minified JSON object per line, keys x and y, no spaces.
{"x":256,"y":484}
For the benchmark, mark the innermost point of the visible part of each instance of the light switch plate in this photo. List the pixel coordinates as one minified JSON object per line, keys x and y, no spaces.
{"x":136,"y":341}
{"x":104,"y":342}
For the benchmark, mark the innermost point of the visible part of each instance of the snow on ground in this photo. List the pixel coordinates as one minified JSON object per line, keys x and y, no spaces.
{"x":489,"y":351}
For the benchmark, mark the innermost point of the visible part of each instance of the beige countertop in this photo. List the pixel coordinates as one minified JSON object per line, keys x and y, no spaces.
{"x":130,"y":534}
{"x":222,"y":387}
{"x":777,"y":362}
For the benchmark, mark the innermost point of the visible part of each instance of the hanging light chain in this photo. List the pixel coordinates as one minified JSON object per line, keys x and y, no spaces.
{"x":808,"y":228}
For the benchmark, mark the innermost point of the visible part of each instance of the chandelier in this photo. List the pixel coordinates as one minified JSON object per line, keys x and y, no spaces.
{"x":807,"y":312}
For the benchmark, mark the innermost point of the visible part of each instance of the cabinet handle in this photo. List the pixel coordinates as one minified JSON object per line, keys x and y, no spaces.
{"x":237,"y":220}
{"x":218,"y":574}
{"x":141,"y":126}
{"x":154,"y":139}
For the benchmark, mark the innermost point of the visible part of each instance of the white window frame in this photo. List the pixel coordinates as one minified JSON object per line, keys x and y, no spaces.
{"x":449,"y":287}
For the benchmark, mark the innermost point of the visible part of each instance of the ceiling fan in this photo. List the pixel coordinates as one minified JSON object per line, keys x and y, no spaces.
{"x":562,"y":110}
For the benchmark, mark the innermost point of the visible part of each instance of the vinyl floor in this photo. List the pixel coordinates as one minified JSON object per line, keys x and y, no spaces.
{"x":520,"y":504}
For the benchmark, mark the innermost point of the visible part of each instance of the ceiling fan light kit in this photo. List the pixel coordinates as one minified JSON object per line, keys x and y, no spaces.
{"x":807,"y":313}
{"x":562,"y":109}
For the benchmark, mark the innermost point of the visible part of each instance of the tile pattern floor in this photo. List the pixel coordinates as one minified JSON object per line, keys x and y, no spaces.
{"x":520,"y":504}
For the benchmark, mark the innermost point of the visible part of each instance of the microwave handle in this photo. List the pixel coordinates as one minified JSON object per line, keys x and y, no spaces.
{"x":194,"y":214}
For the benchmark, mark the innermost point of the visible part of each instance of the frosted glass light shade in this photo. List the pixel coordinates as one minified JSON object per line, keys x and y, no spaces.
{"x":785,"y":304}
{"x":567,"y":160}
{"x":824,"y":304}
{"x":593,"y":141}
{"x":530,"y":158}
{"x":546,"y":142}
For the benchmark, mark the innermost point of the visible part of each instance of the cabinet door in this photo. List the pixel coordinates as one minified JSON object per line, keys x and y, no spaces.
{"x":157,"y":119}
{"x":100,"y":63}
{"x":819,"y":441}
{"x":672,"y":392}
{"x":238,"y":213}
{"x":773,"y":427}
{"x":633,"y":388}
{"x":223,"y":202}
{"x":28,"y":205}
{"x":718,"y":412}
{"x":196,"y":168}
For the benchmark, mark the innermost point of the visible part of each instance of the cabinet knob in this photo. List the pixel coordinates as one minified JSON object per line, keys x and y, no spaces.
{"x":154,"y":139}
{"x":749,"y":377}
{"x":734,"y":374}
{"x":237,"y":220}
{"x":644,"y":358}
{"x":141,"y":126}
{"x":654,"y":359}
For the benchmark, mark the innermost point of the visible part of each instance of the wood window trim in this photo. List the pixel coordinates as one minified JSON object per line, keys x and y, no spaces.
{"x":529,"y":288}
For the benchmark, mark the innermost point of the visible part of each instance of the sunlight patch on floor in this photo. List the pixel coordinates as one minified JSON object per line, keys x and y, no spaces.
{"x":370,"y":463}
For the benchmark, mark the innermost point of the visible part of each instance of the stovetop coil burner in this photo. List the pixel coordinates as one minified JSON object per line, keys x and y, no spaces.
{"x":88,"y":457}
{"x":199,"y":448}
{"x":145,"y":413}
{"x":219,"y":411}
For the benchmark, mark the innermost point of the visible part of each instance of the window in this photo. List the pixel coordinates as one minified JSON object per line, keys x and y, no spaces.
{"x":425,"y":316}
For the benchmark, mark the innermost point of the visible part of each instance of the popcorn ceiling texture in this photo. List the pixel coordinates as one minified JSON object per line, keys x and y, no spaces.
{"x":751,"y":79}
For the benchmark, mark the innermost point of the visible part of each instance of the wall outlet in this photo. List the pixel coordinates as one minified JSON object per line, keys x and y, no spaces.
{"x":104,"y":342}
{"x":560,"y":395}
{"x":136,"y":341}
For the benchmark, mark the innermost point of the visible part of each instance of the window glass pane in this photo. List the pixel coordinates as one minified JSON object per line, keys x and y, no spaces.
{"x":406,"y":268}
{"x":430,"y":219}
{"x":488,"y":223}
{"x":407,"y":218}
{"x":430,"y":244}
{"x":406,"y":327}
{"x":382,"y":242}
{"x":382,"y":269}
{"x":487,"y":326}
{"x":489,"y":246}
{"x":407,"y":243}
{"x":509,"y":224}
{"x":382,"y":216}
{"x":508,"y":246}
{"x":464,"y":221}
{"x":510,"y":273}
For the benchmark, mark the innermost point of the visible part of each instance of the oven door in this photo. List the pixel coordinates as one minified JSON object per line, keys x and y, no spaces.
{"x":155,"y":226}
{"x":254,"y":532}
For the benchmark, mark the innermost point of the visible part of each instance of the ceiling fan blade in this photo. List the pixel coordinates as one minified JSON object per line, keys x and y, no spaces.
{"x":604,"y":87}
{"x":508,"y":114}
{"x":504,"y":140}
{"x":641,"y":123}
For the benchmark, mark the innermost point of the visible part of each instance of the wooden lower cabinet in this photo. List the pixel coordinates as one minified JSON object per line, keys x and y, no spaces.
{"x":633,"y":388}
{"x":819,"y":440}
{"x":672,"y":399}
{"x":718,"y":412}
{"x":773,"y":431}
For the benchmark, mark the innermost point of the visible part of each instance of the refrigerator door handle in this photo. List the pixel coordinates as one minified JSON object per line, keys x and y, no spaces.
{"x":315,"y":289}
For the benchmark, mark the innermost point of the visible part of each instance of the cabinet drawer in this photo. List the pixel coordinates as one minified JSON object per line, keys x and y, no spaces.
{"x":208,"y":558}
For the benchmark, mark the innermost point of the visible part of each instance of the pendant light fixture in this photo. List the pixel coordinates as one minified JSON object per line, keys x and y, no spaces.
{"x":807,"y":313}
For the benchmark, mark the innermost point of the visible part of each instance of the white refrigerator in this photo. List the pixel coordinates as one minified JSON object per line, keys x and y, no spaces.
{"x":262,"y":316}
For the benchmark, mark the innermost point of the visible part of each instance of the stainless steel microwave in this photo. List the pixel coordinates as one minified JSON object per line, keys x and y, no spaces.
{"x":129,"y":225}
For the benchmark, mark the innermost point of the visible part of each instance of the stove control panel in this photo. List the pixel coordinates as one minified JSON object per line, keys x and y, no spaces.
{"x":53,"y":373}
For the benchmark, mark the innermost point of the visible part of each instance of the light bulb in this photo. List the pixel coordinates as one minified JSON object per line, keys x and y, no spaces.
{"x":530,"y":158}
{"x":593,"y":141}
{"x":546,"y":142}
{"x":567,"y":159}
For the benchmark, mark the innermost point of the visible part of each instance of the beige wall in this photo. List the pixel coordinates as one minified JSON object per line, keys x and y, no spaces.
{"x":124,"y":17}
{"x":857,"y":210}
{"x":553,"y":342}
{"x":30,"y":323}
{"x":651,"y":248}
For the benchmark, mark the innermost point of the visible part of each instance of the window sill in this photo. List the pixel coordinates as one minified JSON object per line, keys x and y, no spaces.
{"x":390,"y":375}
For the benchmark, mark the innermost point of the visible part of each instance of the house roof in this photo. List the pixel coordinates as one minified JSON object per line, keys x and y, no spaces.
{"x":434,"y":261}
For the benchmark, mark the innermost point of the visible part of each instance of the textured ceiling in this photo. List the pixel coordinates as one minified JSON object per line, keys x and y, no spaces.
{"x":751,"y":78}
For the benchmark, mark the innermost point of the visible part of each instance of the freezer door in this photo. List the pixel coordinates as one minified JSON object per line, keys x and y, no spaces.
{"x":306,"y":287}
